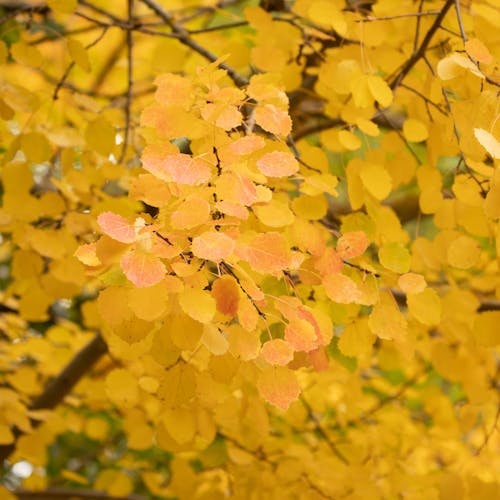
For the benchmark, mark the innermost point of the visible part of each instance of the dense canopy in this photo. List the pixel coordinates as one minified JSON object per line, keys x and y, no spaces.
{"x":250,"y":250}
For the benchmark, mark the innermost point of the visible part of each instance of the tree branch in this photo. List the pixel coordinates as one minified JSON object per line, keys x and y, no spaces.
{"x":416,"y":56}
{"x":61,"y":385}
{"x":65,"y":493}
{"x":185,"y":39}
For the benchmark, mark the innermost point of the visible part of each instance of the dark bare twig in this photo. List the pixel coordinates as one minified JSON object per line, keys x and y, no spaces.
{"x":130,"y":71}
{"x":185,"y":38}
{"x":65,"y":493}
{"x":62,"y":384}
{"x":423,"y":46}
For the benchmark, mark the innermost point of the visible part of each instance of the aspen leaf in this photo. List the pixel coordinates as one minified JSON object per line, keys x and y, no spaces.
{"x":412,"y":283}
{"x":3,"y":52}
{"x":214,"y":340}
{"x":273,"y":119}
{"x":277,"y":352}
{"x":148,"y":303}
{"x":213,"y":245}
{"x":274,"y":214}
{"x":181,"y":422}
{"x":180,"y":167}
{"x":116,"y":227}
{"x":198,"y":304}
{"x":301,"y":335}
{"x":226,"y":293}
{"x":278,"y":164}
{"x":267,"y":252}
{"x":454,"y":65}
{"x":464,"y":252}
{"x":395,"y":257}
{"x":190,"y":213}
{"x":329,"y":262}
{"x":349,"y":140}
{"x":425,"y":306}
{"x":121,"y":388}
{"x":79,"y":54}
{"x":341,"y":289}
{"x":310,"y":207}
{"x":488,"y":142}
{"x":142,"y":269}
{"x":115,"y":482}
{"x":100,"y":136}
{"x":279,"y":386}
{"x":109,"y":305}
{"x":476,"y":49}
{"x":415,"y":131}
{"x":356,"y":339}
{"x":376,"y":180}
{"x":380,"y":91}
{"x":386,"y":320}
{"x":247,"y":145}
{"x":352,"y":244}
{"x":25,"y":54}
{"x":36,"y":147}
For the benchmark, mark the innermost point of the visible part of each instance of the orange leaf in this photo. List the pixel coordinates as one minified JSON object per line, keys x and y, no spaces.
{"x":142,"y":269}
{"x":226,"y":293}
{"x":246,"y":145}
{"x":329,"y":262}
{"x":213,"y":245}
{"x":301,"y":334}
{"x":116,"y":227}
{"x":277,"y":352}
{"x":341,"y":289}
{"x":352,"y":244}
{"x":279,"y":386}
{"x":179,"y":167}
{"x":319,"y":359}
{"x":273,"y":119}
{"x":278,"y":164}
{"x":267,"y":253}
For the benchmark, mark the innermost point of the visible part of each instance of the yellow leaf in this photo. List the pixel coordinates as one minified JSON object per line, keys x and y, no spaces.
{"x":96,"y":428}
{"x":115,"y":482}
{"x":464,"y":252}
{"x":415,"y":131}
{"x":478,"y":50}
{"x":349,"y":140}
{"x":454,"y":65}
{"x":279,"y":386}
{"x":485,"y":330}
{"x":6,"y":436}
{"x":412,"y":283}
{"x":149,"y":303}
{"x":380,"y":91}
{"x":214,"y":340}
{"x":79,"y":54}
{"x":386,"y":320}
{"x":25,"y":54}
{"x":395,"y":257}
{"x":100,"y":136}
{"x":121,"y":388}
{"x":3,"y":52}
{"x":425,"y":307}
{"x":488,"y":142}
{"x":198,"y":304}
{"x":310,"y":207}
{"x":276,"y":213}
{"x":376,"y":180}
{"x":180,"y":423}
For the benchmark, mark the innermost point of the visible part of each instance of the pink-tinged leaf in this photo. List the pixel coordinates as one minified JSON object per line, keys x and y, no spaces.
{"x":117,"y":227}
{"x":246,"y":145}
{"x":341,"y":289}
{"x":142,"y":269}
{"x":301,"y":335}
{"x":273,"y":119}
{"x":179,"y":167}
{"x":226,"y":292}
{"x":266,"y":253}
{"x":87,"y":255}
{"x":278,"y":164}
{"x":352,"y":244}
{"x":235,"y":188}
{"x":279,"y":386}
{"x":319,"y":359}
{"x":213,"y":245}
{"x":329,"y":263}
{"x":277,"y":352}
{"x":232,"y":209}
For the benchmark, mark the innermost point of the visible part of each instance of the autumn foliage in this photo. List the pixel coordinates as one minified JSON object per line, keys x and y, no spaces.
{"x":250,"y":250}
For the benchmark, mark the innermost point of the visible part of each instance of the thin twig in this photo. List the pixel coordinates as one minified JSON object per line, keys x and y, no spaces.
{"x":128,"y":95}
{"x":419,"y":14}
{"x":185,"y":39}
{"x":423,"y":46}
